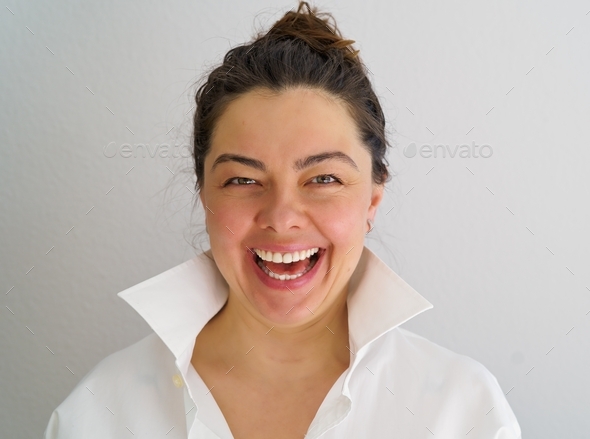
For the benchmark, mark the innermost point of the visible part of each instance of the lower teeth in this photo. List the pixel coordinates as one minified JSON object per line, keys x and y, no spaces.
{"x":285,"y":276}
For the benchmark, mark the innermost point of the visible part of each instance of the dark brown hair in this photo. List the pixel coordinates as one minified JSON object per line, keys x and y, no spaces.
{"x":300,"y":50}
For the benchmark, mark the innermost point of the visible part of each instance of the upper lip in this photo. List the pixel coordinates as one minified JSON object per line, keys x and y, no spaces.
{"x":284,"y":248}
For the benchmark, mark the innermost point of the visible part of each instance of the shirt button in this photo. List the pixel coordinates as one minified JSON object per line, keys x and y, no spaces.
{"x":177,"y":380}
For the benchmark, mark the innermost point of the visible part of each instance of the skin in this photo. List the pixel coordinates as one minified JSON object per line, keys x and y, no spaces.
{"x":299,"y":359}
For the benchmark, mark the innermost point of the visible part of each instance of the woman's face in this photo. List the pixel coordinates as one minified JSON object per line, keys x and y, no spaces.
{"x":286,"y":174}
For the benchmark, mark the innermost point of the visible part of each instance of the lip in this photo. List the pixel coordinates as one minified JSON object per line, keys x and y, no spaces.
{"x":287,"y":285}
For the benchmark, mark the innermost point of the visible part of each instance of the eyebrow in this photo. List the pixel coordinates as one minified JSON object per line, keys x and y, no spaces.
{"x":299,"y":164}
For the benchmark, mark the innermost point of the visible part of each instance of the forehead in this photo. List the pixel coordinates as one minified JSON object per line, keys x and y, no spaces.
{"x":294,"y":122}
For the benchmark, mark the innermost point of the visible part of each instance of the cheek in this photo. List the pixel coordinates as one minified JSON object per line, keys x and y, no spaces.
{"x":341,"y":221}
{"x":228,"y":224}
{"x":229,"y":221}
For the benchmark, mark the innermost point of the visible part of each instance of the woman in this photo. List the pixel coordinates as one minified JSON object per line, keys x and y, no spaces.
{"x":288,"y":326}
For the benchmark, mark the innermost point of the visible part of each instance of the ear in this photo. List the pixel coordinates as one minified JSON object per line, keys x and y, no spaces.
{"x":202,"y":198}
{"x":376,"y":197}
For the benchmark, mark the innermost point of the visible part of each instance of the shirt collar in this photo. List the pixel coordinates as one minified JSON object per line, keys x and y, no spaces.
{"x":178,"y":303}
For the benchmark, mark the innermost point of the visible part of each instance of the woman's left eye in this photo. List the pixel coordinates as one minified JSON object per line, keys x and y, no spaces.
{"x":327,"y":179}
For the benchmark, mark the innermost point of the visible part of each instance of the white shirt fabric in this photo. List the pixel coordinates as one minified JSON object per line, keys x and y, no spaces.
{"x":398,"y":384}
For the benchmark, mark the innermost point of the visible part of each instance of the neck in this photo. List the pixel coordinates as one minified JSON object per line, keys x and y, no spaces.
{"x":319,"y":348}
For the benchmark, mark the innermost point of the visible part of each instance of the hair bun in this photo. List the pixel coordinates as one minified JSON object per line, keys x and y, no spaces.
{"x":320,"y":34}
{"x":303,"y":48}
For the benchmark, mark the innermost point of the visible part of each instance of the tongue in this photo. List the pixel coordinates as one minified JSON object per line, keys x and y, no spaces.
{"x":292,"y":268}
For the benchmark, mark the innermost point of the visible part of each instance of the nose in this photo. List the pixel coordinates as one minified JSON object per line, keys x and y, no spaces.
{"x":282,"y":210}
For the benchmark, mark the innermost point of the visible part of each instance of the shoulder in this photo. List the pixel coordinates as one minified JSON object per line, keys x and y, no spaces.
{"x":140,"y":364}
{"x":145,"y":356}
{"x":441,"y":369}
{"x":116,"y":391}
{"x":436,"y":360}
{"x":445,"y":385}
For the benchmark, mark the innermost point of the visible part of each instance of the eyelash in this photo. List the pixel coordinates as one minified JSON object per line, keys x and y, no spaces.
{"x":334,"y":176}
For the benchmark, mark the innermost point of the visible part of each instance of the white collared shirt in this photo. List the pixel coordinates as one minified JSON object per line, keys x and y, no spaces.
{"x":398,"y":384}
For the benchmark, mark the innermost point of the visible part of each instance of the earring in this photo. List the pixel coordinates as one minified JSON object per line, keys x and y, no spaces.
{"x":370,"y":225}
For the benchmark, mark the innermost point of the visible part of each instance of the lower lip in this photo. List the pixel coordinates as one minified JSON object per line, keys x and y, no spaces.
{"x":287,"y":285}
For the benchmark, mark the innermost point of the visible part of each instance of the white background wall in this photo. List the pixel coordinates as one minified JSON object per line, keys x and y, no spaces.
{"x":499,"y":245}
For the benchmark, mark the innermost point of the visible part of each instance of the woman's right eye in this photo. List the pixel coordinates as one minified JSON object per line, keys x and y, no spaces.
{"x":240,"y":181}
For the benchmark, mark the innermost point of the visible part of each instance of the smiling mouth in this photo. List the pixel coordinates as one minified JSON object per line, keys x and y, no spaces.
{"x":290,"y":271}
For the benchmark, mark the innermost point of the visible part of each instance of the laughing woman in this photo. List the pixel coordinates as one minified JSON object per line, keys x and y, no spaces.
{"x":288,"y":326}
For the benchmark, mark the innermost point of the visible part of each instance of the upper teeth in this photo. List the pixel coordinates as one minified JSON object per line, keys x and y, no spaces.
{"x":286,"y":258}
